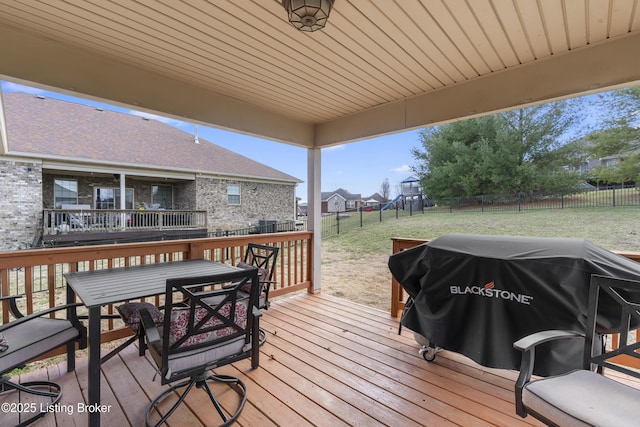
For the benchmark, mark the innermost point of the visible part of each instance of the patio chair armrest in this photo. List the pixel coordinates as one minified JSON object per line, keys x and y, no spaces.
{"x":267,"y":284}
{"x":527,"y":345}
{"x":13,"y":306}
{"x":149,"y":326}
{"x":24,"y":319}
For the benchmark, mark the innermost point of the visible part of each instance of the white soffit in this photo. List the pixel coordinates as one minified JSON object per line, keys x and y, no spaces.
{"x":378,"y":67}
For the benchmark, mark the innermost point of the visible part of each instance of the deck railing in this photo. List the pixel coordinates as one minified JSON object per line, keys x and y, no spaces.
{"x":62,"y":221}
{"x":38,"y":273}
{"x":398,"y":297}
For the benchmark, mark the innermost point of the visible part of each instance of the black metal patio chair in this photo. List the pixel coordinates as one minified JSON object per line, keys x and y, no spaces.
{"x":263,"y":257}
{"x":585,"y":396}
{"x":208,"y":323}
{"x":30,"y":336}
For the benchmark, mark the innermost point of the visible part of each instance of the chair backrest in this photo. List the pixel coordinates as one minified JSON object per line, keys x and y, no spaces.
{"x":623,"y":298}
{"x":262,"y":256}
{"x":208,"y":312}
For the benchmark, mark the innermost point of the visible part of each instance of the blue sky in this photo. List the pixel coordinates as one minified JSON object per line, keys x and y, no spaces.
{"x":358,"y":167}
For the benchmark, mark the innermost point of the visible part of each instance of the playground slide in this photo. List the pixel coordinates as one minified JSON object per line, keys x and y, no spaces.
{"x":395,"y":199}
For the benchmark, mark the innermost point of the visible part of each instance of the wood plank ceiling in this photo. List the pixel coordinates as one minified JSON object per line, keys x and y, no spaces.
{"x":379,"y":66}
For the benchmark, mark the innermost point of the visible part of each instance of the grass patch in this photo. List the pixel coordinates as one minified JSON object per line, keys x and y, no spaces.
{"x":613,"y":229}
{"x":354,"y":263}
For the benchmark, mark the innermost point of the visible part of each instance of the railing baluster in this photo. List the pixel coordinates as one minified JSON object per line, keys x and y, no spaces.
{"x":58,"y":261}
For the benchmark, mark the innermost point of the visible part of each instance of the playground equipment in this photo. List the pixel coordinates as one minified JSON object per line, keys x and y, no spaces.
{"x":395,"y":199}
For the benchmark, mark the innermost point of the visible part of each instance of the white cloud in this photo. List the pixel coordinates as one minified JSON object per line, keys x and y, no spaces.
{"x":402,"y":169}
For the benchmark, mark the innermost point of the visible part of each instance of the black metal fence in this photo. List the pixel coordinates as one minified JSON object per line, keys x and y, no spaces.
{"x":335,"y":223}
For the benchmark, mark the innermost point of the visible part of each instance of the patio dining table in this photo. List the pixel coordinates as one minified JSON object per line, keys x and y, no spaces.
{"x":97,"y":288}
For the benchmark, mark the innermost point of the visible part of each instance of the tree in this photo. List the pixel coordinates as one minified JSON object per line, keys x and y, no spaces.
{"x":619,"y":138}
{"x":509,"y":152}
{"x":385,"y":191}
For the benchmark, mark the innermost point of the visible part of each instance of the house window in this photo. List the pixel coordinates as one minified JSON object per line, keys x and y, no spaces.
{"x":109,"y":198}
{"x":351,"y":204}
{"x":162,"y":196}
{"x":233,"y":194}
{"x":65,"y":192}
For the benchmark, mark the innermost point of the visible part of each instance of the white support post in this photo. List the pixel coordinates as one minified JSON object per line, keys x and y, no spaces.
{"x":123,"y":201}
{"x":314,"y":207}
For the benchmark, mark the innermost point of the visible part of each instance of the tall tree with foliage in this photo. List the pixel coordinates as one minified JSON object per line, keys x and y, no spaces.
{"x":509,"y":152}
{"x":619,"y":138}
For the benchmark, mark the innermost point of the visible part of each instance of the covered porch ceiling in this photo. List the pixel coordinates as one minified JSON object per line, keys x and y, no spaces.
{"x":379,"y":66}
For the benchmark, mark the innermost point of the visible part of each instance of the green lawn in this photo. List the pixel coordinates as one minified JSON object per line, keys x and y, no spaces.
{"x":611,"y":228}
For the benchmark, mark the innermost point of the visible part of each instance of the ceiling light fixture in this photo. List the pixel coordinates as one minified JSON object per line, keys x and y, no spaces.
{"x":308,"y":15}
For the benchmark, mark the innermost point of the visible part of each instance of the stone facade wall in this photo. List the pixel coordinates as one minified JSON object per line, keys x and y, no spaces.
{"x":20,"y":204}
{"x":258,"y":201}
{"x":184,"y":195}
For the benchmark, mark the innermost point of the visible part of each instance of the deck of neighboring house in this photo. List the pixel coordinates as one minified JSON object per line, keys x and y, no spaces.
{"x":327,"y":362}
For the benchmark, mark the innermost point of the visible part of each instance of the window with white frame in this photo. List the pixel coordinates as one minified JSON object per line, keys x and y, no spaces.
{"x":233,"y":194}
{"x":65,"y":192}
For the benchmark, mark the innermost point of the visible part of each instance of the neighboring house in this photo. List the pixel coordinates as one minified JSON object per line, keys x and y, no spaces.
{"x":59,"y":154}
{"x":585,"y":162}
{"x":374,"y":200}
{"x":340,"y":200}
{"x":593,"y":162}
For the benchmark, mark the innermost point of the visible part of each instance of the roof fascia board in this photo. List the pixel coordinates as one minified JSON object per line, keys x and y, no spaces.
{"x":245,"y":178}
{"x":73,"y":165}
{"x":23,"y":159}
{"x":114,"y":169}
{"x":79,"y":72}
{"x":612,"y":63}
{"x":153,"y":173}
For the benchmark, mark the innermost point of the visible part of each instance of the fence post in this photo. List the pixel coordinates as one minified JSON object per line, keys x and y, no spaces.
{"x":360,"y":216}
{"x":519,"y":202}
{"x":562,"y":200}
{"x":338,"y":221}
{"x":450,"y":204}
{"x":482,"y":203}
{"x":380,"y":211}
{"x":396,"y":210}
{"x":613,"y":196}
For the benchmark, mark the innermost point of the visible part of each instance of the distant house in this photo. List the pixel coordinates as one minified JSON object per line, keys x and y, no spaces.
{"x":340,"y":200}
{"x":585,"y":162}
{"x":57,"y":154}
{"x":375,"y":199}
{"x":592,"y":162}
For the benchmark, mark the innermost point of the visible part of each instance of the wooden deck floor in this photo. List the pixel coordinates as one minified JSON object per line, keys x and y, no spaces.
{"x":327,"y":362}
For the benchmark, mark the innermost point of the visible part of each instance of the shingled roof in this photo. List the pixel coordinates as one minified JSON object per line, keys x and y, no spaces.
{"x":51,"y":128}
{"x":342,"y":193}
